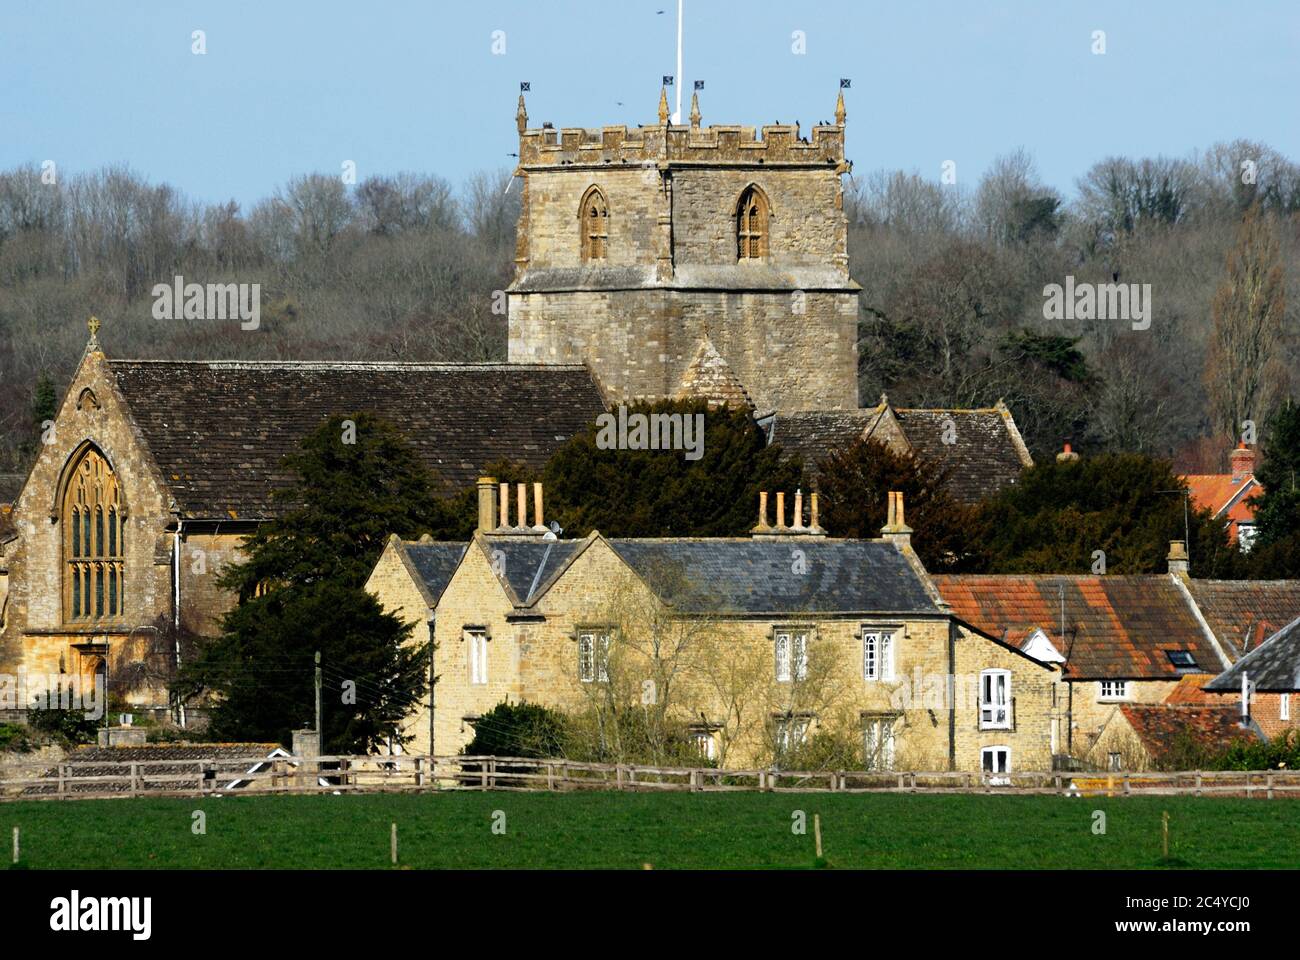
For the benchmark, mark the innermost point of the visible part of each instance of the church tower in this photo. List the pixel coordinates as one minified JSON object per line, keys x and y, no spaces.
{"x":637,"y":249}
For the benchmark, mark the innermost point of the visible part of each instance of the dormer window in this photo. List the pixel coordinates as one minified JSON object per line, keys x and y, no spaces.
{"x":594,"y":214}
{"x":752,"y":215}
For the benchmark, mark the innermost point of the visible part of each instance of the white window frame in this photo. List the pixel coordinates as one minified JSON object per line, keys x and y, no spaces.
{"x":879,"y":741}
{"x":593,"y":655}
{"x":476,"y":656}
{"x":790,"y":651}
{"x":995,"y":775}
{"x":785,"y":726}
{"x":706,"y":743}
{"x":1114,"y":760}
{"x":1118,"y":690}
{"x":995,"y":712}
{"x":1284,"y":706}
{"x":878,"y":653}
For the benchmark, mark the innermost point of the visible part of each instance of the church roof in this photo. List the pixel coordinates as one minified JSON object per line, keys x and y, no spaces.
{"x":986,"y":452}
{"x":219,"y":431}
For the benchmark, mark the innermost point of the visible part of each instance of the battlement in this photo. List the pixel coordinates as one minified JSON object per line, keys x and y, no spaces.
{"x":665,"y":143}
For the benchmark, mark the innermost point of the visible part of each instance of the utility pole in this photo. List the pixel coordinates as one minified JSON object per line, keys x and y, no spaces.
{"x":320,"y":736}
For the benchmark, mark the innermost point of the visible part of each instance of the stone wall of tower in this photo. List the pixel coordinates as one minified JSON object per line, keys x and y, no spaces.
{"x":640,"y":342}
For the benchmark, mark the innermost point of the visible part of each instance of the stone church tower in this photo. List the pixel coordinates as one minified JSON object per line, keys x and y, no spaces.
{"x":639,"y":249}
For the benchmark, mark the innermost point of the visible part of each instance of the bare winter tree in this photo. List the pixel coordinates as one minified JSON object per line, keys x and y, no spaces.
{"x":1244,"y":370}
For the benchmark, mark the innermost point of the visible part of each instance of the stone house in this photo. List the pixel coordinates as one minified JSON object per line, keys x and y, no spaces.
{"x":762,"y":643}
{"x":1161,"y":736}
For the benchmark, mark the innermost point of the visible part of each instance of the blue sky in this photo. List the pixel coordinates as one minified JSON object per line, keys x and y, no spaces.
{"x":289,"y":86}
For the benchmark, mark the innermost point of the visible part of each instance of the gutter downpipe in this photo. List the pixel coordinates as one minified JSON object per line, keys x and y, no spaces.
{"x":176,"y":608}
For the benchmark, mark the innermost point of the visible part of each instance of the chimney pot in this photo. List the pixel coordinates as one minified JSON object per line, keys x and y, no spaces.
{"x":505,"y":505}
{"x":522,"y":516}
{"x":762,"y":526}
{"x":798,"y":509}
{"x":537,"y":507}
{"x":780,"y":510}
{"x":1067,"y":455}
{"x":1179,"y":562}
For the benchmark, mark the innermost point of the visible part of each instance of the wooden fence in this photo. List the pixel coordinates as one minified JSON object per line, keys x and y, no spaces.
{"x":348,"y":774}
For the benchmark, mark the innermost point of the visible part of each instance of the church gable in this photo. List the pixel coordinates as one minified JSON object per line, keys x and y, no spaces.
{"x":710,"y":377}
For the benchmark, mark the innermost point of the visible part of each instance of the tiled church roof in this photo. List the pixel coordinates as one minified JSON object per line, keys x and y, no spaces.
{"x":219,"y":431}
{"x":985,"y":455}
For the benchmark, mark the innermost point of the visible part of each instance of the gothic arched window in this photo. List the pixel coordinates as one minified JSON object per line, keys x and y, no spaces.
{"x":94,"y":524}
{"x":594,"y":214}
{"x":751,"y":224}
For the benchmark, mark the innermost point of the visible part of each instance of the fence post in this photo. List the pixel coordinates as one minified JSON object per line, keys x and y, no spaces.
{"x":618,"y":775}
{"x":550,"y":776}
{"x":62,"y":782}
{"x":1198,"y":783}
{"x":135,"y":774}
{"x":1126,"y":786}
{"x":1268,"y":782}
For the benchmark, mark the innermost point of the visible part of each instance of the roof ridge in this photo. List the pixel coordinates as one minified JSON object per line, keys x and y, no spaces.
{"x":354,"y":364}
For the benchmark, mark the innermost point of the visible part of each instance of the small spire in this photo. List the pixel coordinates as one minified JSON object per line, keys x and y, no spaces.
{"x":663,"y":106}
{"x":695,"y":110}
{"x":521,"y":115}
{"x":93,"y":326}
{"x":839,"y":109}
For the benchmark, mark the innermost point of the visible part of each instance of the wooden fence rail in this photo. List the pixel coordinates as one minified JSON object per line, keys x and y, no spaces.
{"x":349,"y":774}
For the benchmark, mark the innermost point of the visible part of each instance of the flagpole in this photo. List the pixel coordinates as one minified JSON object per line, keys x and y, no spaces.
{"x":677,"y":115}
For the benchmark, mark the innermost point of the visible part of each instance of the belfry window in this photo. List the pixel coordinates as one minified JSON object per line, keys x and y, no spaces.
{"x":594,"y":214}
{"x":94,"y":525}
{"x":751,"y":225}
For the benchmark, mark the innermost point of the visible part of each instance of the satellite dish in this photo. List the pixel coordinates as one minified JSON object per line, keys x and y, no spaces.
{"x":555,"y":528}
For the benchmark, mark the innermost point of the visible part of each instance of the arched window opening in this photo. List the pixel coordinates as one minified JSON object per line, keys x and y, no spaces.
{"x":93,"y":549}
{"x":594,"y":214}
{"x":752,"y":216}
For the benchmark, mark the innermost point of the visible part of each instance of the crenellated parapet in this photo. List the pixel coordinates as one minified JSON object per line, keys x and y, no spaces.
{"x":664,"y":143}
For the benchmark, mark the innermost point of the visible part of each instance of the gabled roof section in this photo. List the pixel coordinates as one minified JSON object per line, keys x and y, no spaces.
{"x":1116,"y":627}
{"x":1244,"y":613}
{"x":1161,"y":728}
{"x":986,"y":452}
{"x":1273,"y":667}
{"x":525,"y":565}
{"x":709,"y":377}
{"x":433,"y":563}
{"x":220,"y":430}
{"x":754,"y":577}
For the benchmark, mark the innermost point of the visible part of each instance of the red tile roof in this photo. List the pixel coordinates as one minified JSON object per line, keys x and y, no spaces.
{"x":1161,"y":727}
{"x":1245,"y":613}
{"x":1116,"y":627}
{"x":1217,"y":491}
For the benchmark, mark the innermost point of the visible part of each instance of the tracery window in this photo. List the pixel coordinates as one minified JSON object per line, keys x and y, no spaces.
{"x":94,"y":527}
{"x":751,"y":224}
{"x":594,"y":214}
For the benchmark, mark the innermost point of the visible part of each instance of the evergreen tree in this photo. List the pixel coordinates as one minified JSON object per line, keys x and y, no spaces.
{"x":854,"y":484}
{"x":1277,"y":509}
{"x":301,"y":590}
{"x":592,"y":485}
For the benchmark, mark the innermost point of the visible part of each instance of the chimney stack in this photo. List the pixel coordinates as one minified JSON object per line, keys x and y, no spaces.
{"x":895,"y":529}
{"x":797,"y":528}
{"x":1179,"y":562}
{"x":1243,"y":462}
{"x":486,"y":504}
{"x":1067,"y":455}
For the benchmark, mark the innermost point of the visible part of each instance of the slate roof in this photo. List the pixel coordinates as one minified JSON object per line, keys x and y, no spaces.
{"x":1273,"y":667}
{"x":219,"y":430}
{"x":1117,"y":627}
{"x":987,"y":453}
{"x":526,"y":565}
{"x":434,"y":563}
{"x":1160,"y":727}
{"x":735,"y":576}
{"x":1244,"y":613}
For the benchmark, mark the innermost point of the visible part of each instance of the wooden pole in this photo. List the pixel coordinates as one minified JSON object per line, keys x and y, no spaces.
{"x":817,"y":832}
{"x":1164,"y":833}
{"x":320,"y":735}
{"x":394,"y":844}
{"x":15,"y":844}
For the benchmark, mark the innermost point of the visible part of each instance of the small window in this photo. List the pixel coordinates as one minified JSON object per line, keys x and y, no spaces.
{"x":877,"y":655}
{"x":477,"y":652}
{"x":791,"y":733}
{"x":705,"y":743}
{"x":1284,"y":706}
{"x":878,"y":741}
{"x":995,"y":700}
{"x":1182,"y":659}
{"x":594,"y":214}
{"x":791,"y":656}
{"x":751,"y":225}
{"x":1112,"y":690}
{"x":1115,"y":761}
{"x":593,"y":657}
{"x":996,"y":760}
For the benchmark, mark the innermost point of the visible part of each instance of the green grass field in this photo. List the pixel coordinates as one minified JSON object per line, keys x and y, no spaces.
{"x":669,"y":831}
